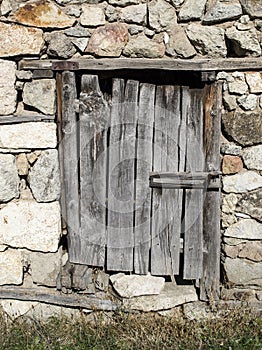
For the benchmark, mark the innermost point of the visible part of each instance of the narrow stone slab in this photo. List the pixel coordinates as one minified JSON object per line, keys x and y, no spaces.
{"x":31,"y":135}
{"x":7,"y":87}
{"x":31,"y":225}
{"x":11,"y":267}
{"x":245,"y":229}
{"x":242,"y":182}
{"x":9,"y":179}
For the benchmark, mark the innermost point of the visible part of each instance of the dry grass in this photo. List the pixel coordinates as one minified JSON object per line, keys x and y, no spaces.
{"x":236,"y":331}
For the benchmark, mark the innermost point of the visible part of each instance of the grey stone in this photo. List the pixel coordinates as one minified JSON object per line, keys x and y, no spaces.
{"x":11,"y":267}
{"x":5,"y":8}
{"x":229,"y":203}
{"x":244,"y":128}
{"x":254,"y":81}
{"x":9,"y":179}
{"x":123,"y":2}
{"x":134,"y":30}
{"x":80,"y":43}
{"x":230,"y":101}
{"x":251,"y":204}
{"x":248,"y":102}
{"x":134,"y":14}
{"x":112,"y":13}
{"x":252,"y":157}
{"x":59,"y":45}
{"x":44,"y":177}
{"x":176,"y":3}
{"x":228,"y":219}
{"x":208,"y":41}
{"x":128,"y":286}
{"x":24,"y":74}
{"x":22,"y":164}
{"x":162,"y":15}
{"x":251,"y":251}
{"x":243,"y":43}
{"x":233,"y":241}
{"x":8,"y":92}
{"x":237,"y":294}
{"x":73,"y":10}
{"x":171,"y":296}
{"x":245,"y":229}
{"x":142,"y":46}
{"x":192,"y":9}
{"x":242,"y":182}
{"x":179,"y":44}
{"x":148,"y":32}
{"x":31,"y":225}
{"x":78,"y":31}
{"x":197,"y":311}
{"x":251,"y":272}
{"x":252,"y":7}
{"x":40,"y":94}
{"x":237,"y":85}
{"x":230,"y":148}
{"x":223,"y":11}
{"x":92,"y":15}
{"x":101,"y":280}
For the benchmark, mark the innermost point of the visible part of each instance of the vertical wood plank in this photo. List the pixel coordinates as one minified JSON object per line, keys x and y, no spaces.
{"x":68,"y":149}
{"x":94,"y":118}
{"x":209,"y":284}
{"x":122,"y":151}
{"x":166,"y":215}
{"x":143,"y":168}
{"x":193,"y":240}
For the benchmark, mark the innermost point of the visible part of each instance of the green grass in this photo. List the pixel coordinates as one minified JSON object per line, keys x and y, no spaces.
{"x":236,"y":331}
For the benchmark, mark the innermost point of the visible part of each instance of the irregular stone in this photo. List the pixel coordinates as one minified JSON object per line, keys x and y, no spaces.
{"x":44,"y":177}
{"x":161,"y":15}
{"x":242,"y":182}
{"x":229,"y":203}
{"x":24,"y":74}
{"x":243,"y":43}
{"x":101,"y":280}
{"x":109,"y":40}
{"x":254,"y":81}
{"x":231,"y":164}
{"x":192,"y":9}
{"x":230,"y":148}
{"x":233,"y":241}
{"x":207,"y":40}
{"x":15,"y":136}
{"x":179,"y":44}
{"x":245,"y":229}
{"x":251,"y":204}
{"x":44,"y":88}
{"x":22,"y":164}
{"x":11,"y":267}
{"x":251,"y":251}
{"x":73,"y":10}
{"x":9,"y":179}
{"x":142,"y":46}
{"x":228,"y":219}
{"x":8,"y":92}
{"x":253,"y":157}
{"x":5,"y":8}
{"x":248,"y":102}
{"x":231,"y":251}
{"x":245,"y":128}
{"x":223,"y":11}
{"x":251,"y":272}
{"x":252,"y":7}
{"x":176,"y":3}
{"x":123,"y":2}
{"x":134,"y":14}
{"x":197,"y":311}
{"x":59,"y":45}
{"x":112,"y":13}
{"x":78,"y":31}
{"x":133,"y":30}
{"x":32,"y":157}
{"x":238,"y":84}
{"x":31,"y":225}
{"x":128,"y":286}
{"x":148,"y":32}
{"x":171,"y":296}
{"x":237,"y":294}
{"x":92,"y":16}
{"x":229,"y":101}
{"x":80,"y":43}
{"x":43,"y":14}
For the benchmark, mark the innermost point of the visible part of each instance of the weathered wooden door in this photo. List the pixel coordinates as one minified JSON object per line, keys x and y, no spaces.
{"x":119,"y":220}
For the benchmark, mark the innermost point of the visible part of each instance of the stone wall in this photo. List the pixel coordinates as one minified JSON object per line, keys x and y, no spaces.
{"x":32,"y":253}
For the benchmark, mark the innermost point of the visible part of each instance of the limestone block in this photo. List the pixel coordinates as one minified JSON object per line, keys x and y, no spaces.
{"x":44,"y":177}
{"x":11,"y":267}
{"x":252,"y":7}
{"x":128,"y":286}
{"x":92,"y":15}
{"x":245,"y":229}
{"x":179,"y":44}
{"x":248,"y":102}
{"x":161,"y":15}
{"x":238,"y":84}
{"x":142,"y":46}
{"x":231,"y":164}
{"x":252,"y":157}
{"x":208,"y":41}
{"x":251,"y":204}
{"x":134,"y":14}
{"x":30,"y":135}
{"x":31,"y":225}
{"x":59,"y":45}
{"x":22,"y":164}
{"x":9,"y":179}
{"x":223,"y":11}
{"x":244,"y":43}
{"x":254,"y":81}
{"x":7,"y":86}
{"x":242,"y":182}
{"x":192,"y":9}
{"x":19,"y":40}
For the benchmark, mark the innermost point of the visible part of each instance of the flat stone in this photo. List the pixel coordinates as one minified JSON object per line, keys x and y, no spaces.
{"x":248,"y":102}
{"x":179,"y":43}
{"x":8,"y":92}
{"x":128,"y":286}
{"x":92,"y":16}
{"x":73,"y":10}
{"x":251,"y":251}
{"x":22,"y":164}
{"x":245,"y":229}
{"x":223,"y":11}
{"x":197,"y":311}
{"x":171,"y":296}
{"x":230,"y":148}
{"x":254,"y":81}
{"x":252,"y":7}
{"x":44,"y":177}
{"x":243,"y":43}
{"x":11,"y":267}
{"x":142,"y":46}
{"x":207,"y":40}
{"x":9,"y":179}
{"x":123,"y":2}
{"x":237,"y":84}
{"x":243,"y":272}
{"x":232,"y":251}
{"x":134,"y":30}
{"x":41,"y":95}
{"x":231,"y":164}
{"x":252,"y":157}
{"x":59,"y":45}
{"x":78,"y":32}
{"x":24,"y":74}
{"x":229,"y":202}
{"x":80,"y":43}
{"x":109,"y":40}
{"x":229,"y":101}
{"x":161,"y":15}
{"x":31,"y":225}
{"x":5,"y":7}
{"x":192,"y":9}
{"x":244,"y":128}
{"x":242,"y":182}
{"x":251,"y":204}
{"x":134,"y":14}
